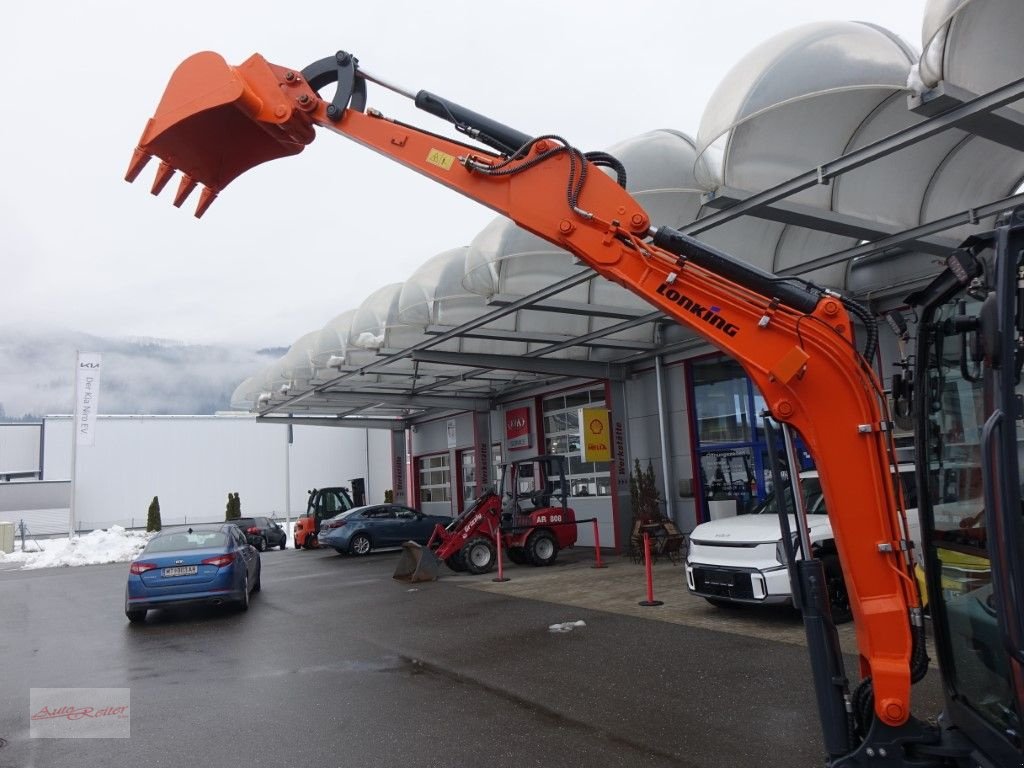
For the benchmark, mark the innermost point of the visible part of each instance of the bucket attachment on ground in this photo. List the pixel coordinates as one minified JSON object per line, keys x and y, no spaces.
{"x":216,"y":121}
{"x":417,"y":563}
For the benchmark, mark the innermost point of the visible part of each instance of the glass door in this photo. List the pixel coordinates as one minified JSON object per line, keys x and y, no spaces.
{"x":731,"y":445}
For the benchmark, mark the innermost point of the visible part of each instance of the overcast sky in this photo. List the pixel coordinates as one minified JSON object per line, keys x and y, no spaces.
{"x":295,"y":242}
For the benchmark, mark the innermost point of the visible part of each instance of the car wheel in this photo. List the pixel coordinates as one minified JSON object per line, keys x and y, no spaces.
{"x":284,"y":543}
{"x":261,"y":543}
{"x":518,"y":556}
{"x":838,"y":597}
{"x":360,"y":544}
{"x":258,"y":586}
{"x":243,"y":604}
{"x":479,"y":555}
{"x":136,"y":617}
{"x":456,"y":563}
{"x":541,"y":548}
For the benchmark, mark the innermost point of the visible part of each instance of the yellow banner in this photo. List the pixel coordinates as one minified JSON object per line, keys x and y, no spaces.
{"x":595,"y":434}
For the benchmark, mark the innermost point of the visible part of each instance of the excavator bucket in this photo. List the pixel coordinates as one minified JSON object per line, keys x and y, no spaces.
{"x":216,"y":121}
{"x":417,"y":563}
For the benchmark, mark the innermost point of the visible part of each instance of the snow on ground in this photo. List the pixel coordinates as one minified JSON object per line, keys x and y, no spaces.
{"x":114,"y":545}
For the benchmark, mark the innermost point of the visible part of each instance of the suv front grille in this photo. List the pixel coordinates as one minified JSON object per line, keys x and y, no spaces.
{"x":723,"y":583}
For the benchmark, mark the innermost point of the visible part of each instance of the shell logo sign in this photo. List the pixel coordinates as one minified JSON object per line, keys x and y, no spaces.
{"x":517,"y":428}
{"x":596,"y":435}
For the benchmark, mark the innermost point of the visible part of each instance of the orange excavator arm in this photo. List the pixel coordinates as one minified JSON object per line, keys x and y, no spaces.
{"x":795,"y":341}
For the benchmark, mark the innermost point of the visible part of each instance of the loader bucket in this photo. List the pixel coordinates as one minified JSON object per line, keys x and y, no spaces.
{"x":417,"y":563}
{"x":216,"y":121}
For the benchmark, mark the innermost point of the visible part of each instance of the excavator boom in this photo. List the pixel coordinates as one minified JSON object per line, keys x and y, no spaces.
{"x":793,"y":339}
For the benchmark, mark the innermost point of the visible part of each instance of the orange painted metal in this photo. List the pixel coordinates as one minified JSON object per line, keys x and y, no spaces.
{"x":216,"y":121}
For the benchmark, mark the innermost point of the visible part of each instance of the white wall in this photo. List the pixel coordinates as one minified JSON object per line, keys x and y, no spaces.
{"x":19,"y":447}
{"x":193,"y":462}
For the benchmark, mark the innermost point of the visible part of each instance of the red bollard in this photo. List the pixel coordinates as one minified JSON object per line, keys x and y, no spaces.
{"x":497,"y":546}
{"x":650,"y":574}
{"x":597,"y":547}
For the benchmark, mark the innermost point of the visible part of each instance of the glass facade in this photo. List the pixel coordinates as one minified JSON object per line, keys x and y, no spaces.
{"x":435,"y":478}
{"x":562,"y":436}
{"x":467,"y":467}
{"x":732,"y":449}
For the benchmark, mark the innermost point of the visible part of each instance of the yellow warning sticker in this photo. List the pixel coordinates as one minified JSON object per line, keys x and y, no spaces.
{"x":440,"y":159}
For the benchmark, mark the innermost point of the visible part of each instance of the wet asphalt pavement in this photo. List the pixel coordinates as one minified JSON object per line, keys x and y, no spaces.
{"x":336,"y":664}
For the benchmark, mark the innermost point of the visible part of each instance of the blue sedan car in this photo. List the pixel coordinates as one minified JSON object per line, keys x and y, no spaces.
{"x":362,"y":529}
{"x":203,"y":564}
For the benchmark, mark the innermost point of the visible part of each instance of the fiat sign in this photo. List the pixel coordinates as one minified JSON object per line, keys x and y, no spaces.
{"x":517,"y":428}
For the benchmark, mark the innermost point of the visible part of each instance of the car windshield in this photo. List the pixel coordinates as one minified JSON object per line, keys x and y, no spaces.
{"x":179,"y":540}
{"x":244,"y":522}
{"x":813,"y":497}
{"x":350,"y":513}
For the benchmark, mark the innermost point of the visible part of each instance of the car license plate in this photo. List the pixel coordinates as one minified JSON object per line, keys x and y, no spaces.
{"x":184,"y":570}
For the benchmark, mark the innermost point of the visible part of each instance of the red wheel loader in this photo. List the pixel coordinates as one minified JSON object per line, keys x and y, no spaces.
{"x":531,"y":513}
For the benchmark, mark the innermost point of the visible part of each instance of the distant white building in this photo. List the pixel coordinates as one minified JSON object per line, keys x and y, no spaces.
{"x":190,"y":462}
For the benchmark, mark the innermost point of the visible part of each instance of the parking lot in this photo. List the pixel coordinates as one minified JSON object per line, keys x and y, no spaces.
{"x":336,"y":664}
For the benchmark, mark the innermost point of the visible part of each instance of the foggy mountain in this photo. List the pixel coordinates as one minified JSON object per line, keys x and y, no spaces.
{"x":140,"y":375}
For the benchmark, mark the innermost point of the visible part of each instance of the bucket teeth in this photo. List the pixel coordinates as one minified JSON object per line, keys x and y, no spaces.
{"x":139,"y":160}
{"x":163,"y":175}
{"x":206,"y":198}
{"x":184,"y":190}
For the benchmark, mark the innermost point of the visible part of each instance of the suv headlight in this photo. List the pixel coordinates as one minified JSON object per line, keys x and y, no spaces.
{"x":780,"y":550}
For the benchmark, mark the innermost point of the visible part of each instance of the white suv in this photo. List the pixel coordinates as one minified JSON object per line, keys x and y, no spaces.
{"x":741,"y":559}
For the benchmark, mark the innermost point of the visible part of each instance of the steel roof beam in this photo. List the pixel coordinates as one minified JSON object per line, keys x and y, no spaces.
{"x":395,"y":400}
{"x":576,"y":368}
{"x":571,"y":307}
{"x":786,"y":212}
{"x":395,"y":425}
{"x":954,"y":118}
{"x":971,"y":216}
{"x":541,"y":337}
{"x":554,"y":289}
{"x":625,"y":325}
{"x":1004,"y":126}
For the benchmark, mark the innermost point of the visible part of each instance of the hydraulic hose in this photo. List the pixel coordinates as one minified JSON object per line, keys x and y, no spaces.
{"x":609,"y":161}
{"x":870,"y":325}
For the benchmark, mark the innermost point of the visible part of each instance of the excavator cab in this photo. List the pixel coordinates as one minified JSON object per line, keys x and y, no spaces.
{"x":969,"y":406}
{"x":534,"y":483}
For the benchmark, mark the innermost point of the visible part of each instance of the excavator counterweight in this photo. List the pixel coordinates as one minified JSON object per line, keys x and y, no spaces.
{"x":216,"y":121}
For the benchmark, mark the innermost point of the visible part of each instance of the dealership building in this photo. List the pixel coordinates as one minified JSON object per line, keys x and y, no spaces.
{"x":836,"y":152}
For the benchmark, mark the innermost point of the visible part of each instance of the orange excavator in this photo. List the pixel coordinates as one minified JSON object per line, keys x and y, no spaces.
{"x":796,"y":342}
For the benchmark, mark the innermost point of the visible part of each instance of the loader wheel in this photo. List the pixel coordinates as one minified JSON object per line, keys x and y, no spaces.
{"x":456,"y":563}
{"x":479,"y":554}
{"x":518,"y":555}
{"x":541,"y":548}
{"x":838,"y":597}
